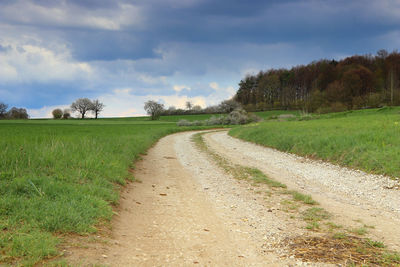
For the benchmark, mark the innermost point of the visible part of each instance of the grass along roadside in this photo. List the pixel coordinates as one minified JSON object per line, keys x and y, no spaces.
{"x":326,"y":242}
{"x":61,"y":177}
{"x":364,"y":139}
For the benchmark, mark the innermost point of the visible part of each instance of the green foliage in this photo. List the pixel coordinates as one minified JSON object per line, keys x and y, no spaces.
{"x":62,"y":176}
{"x":306,"y":199}
{"x":315,"y":214}
{"x":364,"y":139}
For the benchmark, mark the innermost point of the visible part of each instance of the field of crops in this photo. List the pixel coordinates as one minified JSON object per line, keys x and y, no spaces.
{"x":364,"y":139}
{"x":60,"y":176}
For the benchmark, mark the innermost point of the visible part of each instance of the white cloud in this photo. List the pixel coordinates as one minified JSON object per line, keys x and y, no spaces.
{"x":178,"y":88}
{"x":69,"y":15}
{"x":27,"y":63}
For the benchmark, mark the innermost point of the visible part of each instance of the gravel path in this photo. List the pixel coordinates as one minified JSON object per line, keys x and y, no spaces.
{"x":373,"y":198}
{"x":187,"y":211}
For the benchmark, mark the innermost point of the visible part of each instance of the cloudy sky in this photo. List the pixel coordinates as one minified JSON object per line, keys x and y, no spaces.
{"x":126,"y":52}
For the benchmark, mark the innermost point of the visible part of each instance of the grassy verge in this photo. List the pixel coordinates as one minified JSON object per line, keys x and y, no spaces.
{"x":366,"y":139}
{"x":59,"y":177}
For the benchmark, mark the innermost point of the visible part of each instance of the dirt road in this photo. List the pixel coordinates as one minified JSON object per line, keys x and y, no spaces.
{"x":185,"y":210}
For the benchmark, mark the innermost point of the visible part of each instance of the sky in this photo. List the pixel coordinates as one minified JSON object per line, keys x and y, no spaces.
{"x":124,"y":53}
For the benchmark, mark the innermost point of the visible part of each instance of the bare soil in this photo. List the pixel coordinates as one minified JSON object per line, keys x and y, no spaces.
{"x":185,"y":210}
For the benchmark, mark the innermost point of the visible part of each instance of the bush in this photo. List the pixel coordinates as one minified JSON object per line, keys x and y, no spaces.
{"x":238,"y":116}
{"x":57,"y":113}
{"x":67,"y":114}
{"x":338,"y":107}
{"x":374,"y":100}
{"x":184,"y":123}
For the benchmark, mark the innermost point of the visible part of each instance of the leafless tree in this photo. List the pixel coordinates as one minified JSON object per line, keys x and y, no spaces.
{"x":189,"y":105}
{"x":3,"y":110}
{"x":97,"y":107}
{"x":82,"y":105}
{"x":154,"y":109}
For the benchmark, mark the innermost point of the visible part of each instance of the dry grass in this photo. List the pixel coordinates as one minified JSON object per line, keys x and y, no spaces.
{"x":342,"y":249}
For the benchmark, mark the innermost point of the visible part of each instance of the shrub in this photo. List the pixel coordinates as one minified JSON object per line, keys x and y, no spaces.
{"x":184,"y":123}
{"x":215,"y":120}
{"x":374,"y":100}
{"x":238,"y":116}
{"x":66,"y":114}
{"x":57,"y":113}
{"x":338,"y":107}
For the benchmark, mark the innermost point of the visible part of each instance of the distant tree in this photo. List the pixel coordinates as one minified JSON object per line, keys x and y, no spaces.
{"x":196,"y":108}
{"x":189,"y":105}
{"x":17,"y":113}
{"x":97,"y":107}
{"x":82,"y":105}
{"x":227,"y":106}
{"x":66,"y":114}
{"x":3,"y":110}
{"x":57,"y":113}
{"x":154,"y":109}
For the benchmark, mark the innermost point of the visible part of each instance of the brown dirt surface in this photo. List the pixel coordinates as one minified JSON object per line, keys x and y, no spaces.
{"x":184,"y":210}
{"x":166,"y":219}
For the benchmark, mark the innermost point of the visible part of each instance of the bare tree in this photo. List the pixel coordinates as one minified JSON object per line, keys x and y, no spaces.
{"x":3,"y":110}
{"x":154,"y":109}
{"x":82,"y":105}
{"x":97,"y":107}
{"x":189,"y":105}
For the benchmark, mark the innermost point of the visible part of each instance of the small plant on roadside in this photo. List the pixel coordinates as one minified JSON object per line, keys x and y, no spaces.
{"x":315,"y":214}
{"x":373,"y":243}
{"x":306,"y":199}
{"x":340,"y":235}
{"x":313,"y":226}
{"x":359,"y":231}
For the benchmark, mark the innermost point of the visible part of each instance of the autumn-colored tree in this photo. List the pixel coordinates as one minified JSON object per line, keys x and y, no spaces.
{"x":353,"y":82}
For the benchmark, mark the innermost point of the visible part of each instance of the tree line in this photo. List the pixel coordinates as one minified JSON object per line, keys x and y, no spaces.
{"x":82,"y":106}
{"x":156,"y":109}
{"x":326,"y":85}
{"x":13,"y":113}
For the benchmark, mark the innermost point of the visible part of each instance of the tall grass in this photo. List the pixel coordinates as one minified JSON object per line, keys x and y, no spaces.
{"x":366,"y":139}
{"x":62,"y":177}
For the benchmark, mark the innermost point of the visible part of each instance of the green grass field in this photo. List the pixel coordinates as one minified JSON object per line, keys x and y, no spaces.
{"x":363,"y":139}
{"x":60,"y":177}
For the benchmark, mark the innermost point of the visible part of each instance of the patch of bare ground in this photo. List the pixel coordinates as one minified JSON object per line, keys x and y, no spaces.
{"x":217,"y":203}
{"x":351,"y":216}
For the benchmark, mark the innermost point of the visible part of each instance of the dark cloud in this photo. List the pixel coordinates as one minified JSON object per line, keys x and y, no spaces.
{"x":150,"y":46}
